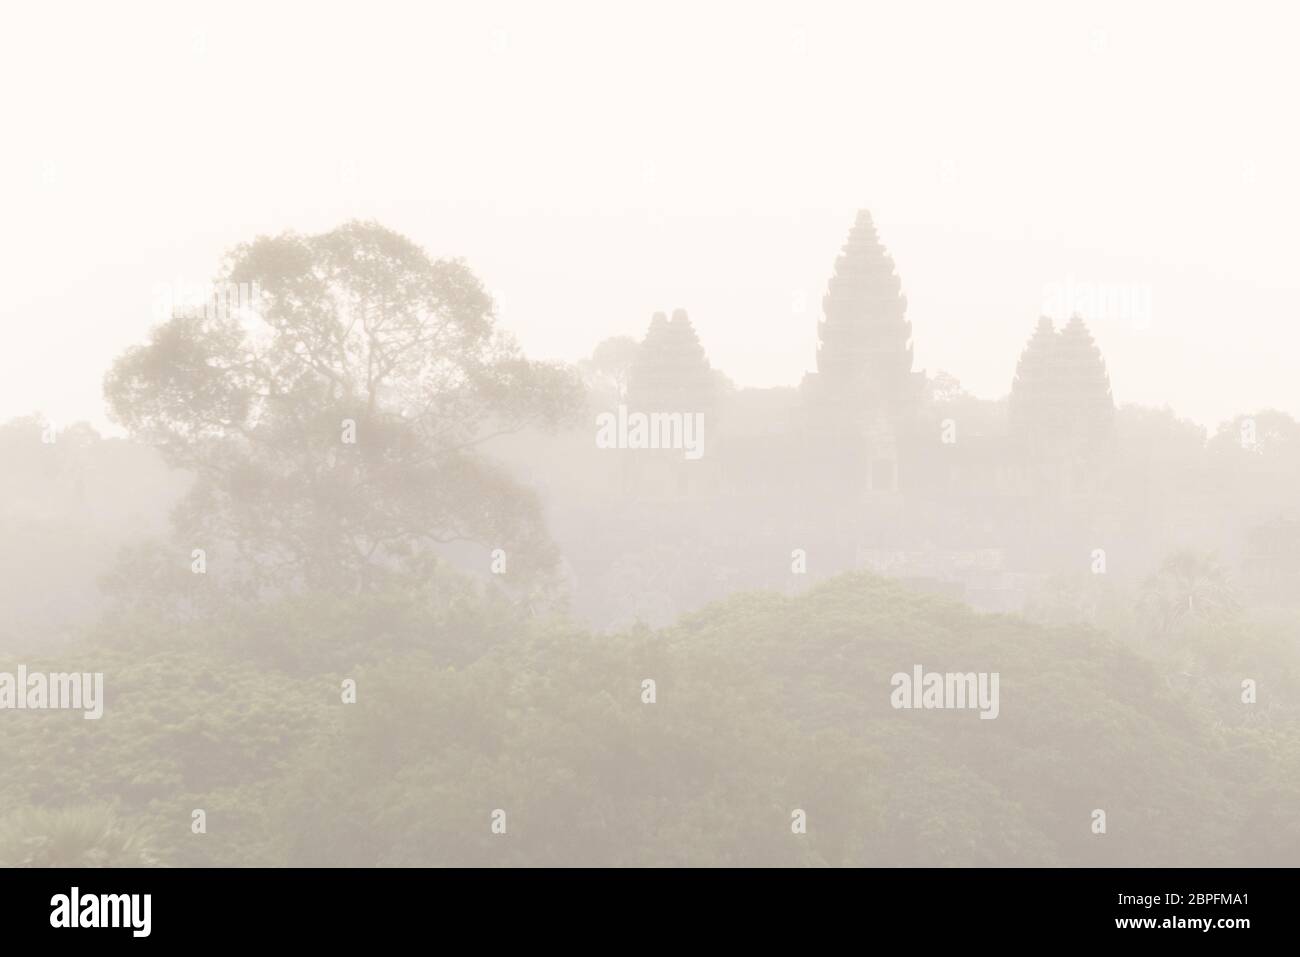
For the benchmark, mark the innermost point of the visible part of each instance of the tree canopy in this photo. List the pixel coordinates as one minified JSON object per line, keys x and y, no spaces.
{"x":334,"y":427}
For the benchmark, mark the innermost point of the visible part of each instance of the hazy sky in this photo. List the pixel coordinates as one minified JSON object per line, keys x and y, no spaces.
{"x":595,"y":163}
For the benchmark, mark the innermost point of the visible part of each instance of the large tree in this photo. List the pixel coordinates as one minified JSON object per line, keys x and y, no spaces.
{"x":335,"y":426}
{"x":612,"y":361}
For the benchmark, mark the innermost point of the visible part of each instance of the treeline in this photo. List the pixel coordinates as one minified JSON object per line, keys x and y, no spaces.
{"x":762,"y":705}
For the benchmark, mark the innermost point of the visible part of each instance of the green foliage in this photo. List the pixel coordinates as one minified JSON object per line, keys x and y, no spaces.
{"x":333,"y":426}
{"x":765,"y":704}
{"x":1189,"y":587}
{"x":71,"y":837}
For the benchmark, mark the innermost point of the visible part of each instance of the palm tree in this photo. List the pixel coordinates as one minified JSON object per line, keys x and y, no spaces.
{"x":71,"y":837}
{"x":1187,"y":588}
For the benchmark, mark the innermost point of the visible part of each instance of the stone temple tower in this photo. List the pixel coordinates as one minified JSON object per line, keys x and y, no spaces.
{"x":864,"y":390}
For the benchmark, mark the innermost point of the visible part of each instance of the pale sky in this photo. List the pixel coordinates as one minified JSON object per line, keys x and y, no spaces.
{"x":594,"y":163}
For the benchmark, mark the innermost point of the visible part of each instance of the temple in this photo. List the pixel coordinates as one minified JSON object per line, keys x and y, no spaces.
{"x":869,"y":462}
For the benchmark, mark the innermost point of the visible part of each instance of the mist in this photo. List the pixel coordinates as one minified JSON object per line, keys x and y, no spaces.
{"x":781,"y":434}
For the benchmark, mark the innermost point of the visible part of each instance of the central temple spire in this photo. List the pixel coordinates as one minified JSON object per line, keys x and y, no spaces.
{"x":865,"y":340}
